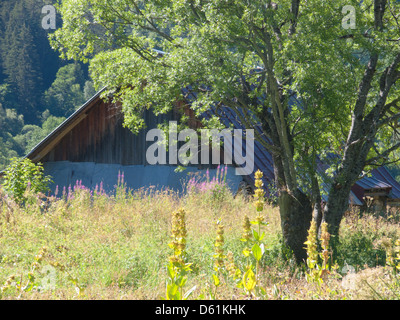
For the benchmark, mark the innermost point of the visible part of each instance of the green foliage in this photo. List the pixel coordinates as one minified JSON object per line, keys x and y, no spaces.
{"x":66,"y":92}
{"x":6,"y":153}
{"x":359,"y":249}
{"x":27,"y":62}
{"x":22,"y":175}
{"x":89,"y":90}
{"x":10,"y":121}
{"x":214,"y":44}
{"x":11,"y":124}
{"x":30,"y":135}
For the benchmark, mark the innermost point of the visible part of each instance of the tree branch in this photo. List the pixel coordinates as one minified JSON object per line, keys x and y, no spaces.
{"x":294,"y":10}
{"x":379,"y":12}
{"x":383,"y":155}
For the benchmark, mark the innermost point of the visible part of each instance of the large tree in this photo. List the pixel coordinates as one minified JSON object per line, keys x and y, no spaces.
{"x":338,"y":59}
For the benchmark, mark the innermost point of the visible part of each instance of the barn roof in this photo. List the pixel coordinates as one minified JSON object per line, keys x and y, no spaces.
{"x":370,"y":183}
{"x":262,"y":158}
{"x":383,"y":174}
{"x":380,"y":179}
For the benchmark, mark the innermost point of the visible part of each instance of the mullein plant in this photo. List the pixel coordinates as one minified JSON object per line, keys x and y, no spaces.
{"x":317,"y":262}
{"x":219,"y":258}
{"x":253,"y":238}
{"x":312,"y":275}
{"x":230,"y":266}
{"x":178,"y":268}
{"x":325,"y":237}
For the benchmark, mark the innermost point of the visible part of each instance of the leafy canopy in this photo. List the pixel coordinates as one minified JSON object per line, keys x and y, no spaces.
{"x":221,"y":48}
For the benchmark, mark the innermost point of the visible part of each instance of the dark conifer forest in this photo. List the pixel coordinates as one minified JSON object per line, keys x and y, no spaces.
{"x":38,"y":90}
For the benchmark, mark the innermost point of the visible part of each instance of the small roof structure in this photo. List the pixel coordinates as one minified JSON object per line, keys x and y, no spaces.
{"x":380,"y":184}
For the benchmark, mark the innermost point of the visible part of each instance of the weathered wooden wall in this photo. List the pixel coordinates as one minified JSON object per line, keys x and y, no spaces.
{"x":101,"y":138}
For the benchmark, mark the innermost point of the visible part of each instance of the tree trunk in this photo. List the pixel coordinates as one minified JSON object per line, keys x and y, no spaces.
{"x":338,"y":202}
{"x":295,"y":212}
{"x":296,"y":215}
{"x":316,"y":200}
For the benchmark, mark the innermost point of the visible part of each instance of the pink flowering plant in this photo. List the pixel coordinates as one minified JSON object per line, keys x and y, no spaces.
{"x":215,"y":187}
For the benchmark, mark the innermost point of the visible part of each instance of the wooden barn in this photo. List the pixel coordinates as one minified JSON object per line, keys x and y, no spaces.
{"x":93,"y":147}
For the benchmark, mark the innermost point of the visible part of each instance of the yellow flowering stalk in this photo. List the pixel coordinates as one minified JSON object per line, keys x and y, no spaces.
{"x":397,"y":251}
{"x":179,"y":233}
{"x":325,"y":236}
{"x":259,"y":192}
{"x":219,"y":250}
{"x":312,"y":253}
{"x":317,"y":271}
{"x":254,"y":239}
{"x":246,"y":229}
{"x":218,"y":257}
{"x":259,"y":196}
{"x":177,"y":268}
{"x":233,"y":271}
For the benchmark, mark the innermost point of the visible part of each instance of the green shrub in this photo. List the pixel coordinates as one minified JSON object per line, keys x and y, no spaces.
{"x":360,"y":239}
{"x":23,"y":175}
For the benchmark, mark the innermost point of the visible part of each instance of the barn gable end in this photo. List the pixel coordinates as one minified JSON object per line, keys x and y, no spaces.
{"x":93,"y":147}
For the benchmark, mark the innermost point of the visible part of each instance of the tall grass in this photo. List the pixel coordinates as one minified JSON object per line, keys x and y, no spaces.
{"x":100,"y":246}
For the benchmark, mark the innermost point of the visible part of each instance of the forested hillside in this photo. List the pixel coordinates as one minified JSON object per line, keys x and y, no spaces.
{"x":37,"y":89}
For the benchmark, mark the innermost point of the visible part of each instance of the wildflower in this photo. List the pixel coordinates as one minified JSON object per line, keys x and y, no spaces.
{"x":178,"y":243}
{"x":246,"y":229}
{"x":177,"y":268}
{"x":259,"y":195}
{"x":259,"y":192}
{"x":311,"y":244}
{"x":35,"y":265}
{"x":325,"y":236}
{"x":258,"y":174}
{"x":259,"y":205}
{"x":40,"y":254}
{"x":120,"y":178}
{"x":260,"y":219}
{"x":219,"y":251}
{"x":230,"y":266}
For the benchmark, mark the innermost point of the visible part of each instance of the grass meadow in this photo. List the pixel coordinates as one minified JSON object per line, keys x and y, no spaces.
{"x":89,"y":245}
